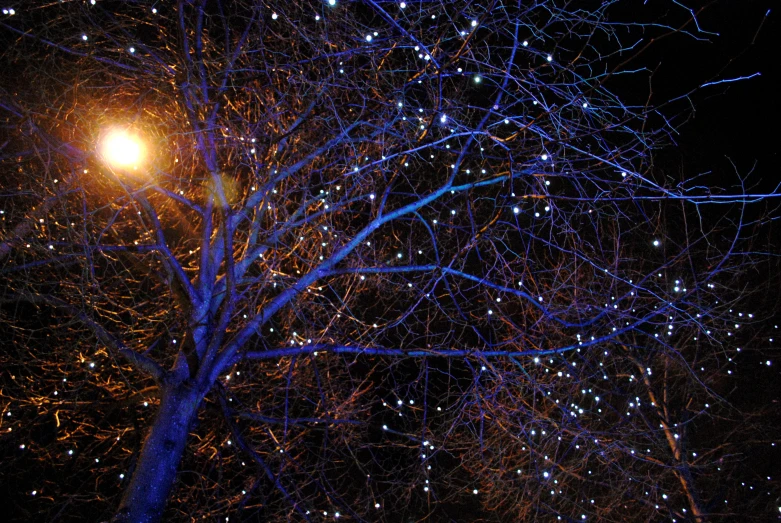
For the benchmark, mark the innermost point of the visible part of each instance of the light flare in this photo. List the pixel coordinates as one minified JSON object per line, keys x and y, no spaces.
{"x":122,"y":149}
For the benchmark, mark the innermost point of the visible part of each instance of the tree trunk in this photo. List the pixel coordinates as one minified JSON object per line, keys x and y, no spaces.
{"x":145,"y":497}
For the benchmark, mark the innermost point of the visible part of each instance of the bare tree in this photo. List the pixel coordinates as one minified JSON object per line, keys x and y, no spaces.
{"x":365,"y":260}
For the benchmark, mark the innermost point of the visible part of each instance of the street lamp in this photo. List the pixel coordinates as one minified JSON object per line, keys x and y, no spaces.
{"x":122,"y":149}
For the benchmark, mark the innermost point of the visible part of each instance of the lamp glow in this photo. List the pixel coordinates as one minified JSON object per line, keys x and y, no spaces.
{"x":122,"y":150}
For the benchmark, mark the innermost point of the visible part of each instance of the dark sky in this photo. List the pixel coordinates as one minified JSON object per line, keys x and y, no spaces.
{"x":736,"y":120}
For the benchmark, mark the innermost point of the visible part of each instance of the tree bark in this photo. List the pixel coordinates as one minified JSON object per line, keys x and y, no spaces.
{"x":146,"y":496}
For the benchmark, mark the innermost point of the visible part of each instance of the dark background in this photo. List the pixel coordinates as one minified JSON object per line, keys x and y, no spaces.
{"x":732,"y":122}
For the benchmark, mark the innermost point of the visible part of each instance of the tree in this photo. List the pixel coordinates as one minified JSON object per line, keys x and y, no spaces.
{"x":367,"y":261}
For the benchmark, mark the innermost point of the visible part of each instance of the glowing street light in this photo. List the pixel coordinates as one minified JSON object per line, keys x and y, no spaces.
{"x":122,"y":149}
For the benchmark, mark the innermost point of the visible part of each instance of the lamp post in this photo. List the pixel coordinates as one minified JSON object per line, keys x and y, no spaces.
{"x":122,"y":149}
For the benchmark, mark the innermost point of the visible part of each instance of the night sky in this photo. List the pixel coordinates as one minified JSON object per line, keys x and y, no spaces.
{"x":732,"y":120}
